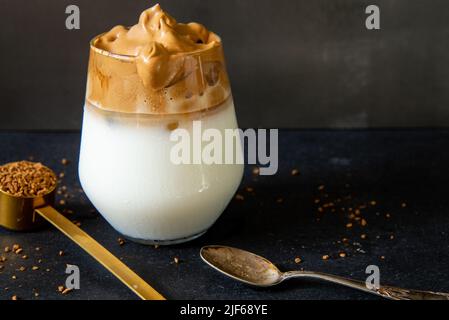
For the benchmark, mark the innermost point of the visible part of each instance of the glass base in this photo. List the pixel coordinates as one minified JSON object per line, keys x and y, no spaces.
{"x":166,"y":242}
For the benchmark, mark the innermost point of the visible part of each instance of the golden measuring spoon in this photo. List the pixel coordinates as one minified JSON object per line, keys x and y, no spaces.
{"x":28,"y":213}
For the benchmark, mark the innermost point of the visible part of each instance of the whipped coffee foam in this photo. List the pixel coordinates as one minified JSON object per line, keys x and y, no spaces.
{"x":157,"y":34}
{"x":157,"y":66}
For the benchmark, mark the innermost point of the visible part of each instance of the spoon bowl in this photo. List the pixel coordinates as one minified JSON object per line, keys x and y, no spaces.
{"x":242,"y":265}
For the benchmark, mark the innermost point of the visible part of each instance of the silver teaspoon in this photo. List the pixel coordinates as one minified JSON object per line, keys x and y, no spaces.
{"x":255,"y":270}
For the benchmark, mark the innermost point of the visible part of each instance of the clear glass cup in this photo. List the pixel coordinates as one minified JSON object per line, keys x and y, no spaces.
{"x":125,"y":165}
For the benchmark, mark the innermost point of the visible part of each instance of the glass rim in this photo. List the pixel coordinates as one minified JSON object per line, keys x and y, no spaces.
{"x":131,"y":58}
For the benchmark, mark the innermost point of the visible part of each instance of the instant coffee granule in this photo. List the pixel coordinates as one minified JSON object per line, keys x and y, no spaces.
{"x":26,"y":179}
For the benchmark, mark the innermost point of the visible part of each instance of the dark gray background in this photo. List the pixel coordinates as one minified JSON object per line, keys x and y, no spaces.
{"x":292,"y":63}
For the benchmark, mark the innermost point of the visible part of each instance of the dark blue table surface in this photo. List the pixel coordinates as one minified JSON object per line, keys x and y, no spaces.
{"x":390,"y":167}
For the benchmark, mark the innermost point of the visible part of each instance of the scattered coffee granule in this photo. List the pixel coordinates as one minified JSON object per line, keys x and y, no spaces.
{"x":373,"y":203}
{"x":14,"y":277}
{"x":387,"y":215}
{"x":34,"y":268}
{"x":15,"y":247}
{"x":349,"y":225}
{"x":1,"y":267}
{"x":62,"y":202}
{"x":22,"y":269}
{"x":172,"y":126}
{"x":363,"y":236}
{"x":295,"y":172}
{"x":256,"y":171}
{"x":36,"y":294}
{"x":67,"y":290}
{"x":2,"y":259}
{"x":321,"y":187}
{"x":18,"y":251}
{"x":342,"y":254}
{"x":26,"y":179}
{"x":325,"y":257}
{"x":249,"y":189}
{"x":37,"y":249}
{"x":60,"y":253}
{"x":156,"y":246}
{"x":61,"y":288}
{"x":403,"y":205}
{"x":298,"y":260}
{"x":7,"y":249}
{"x":391,"y":236}
{"x":176,"y":260}
{"x":24,"y":257}
{"x":316,"y":201}
{"x":77,"y":223}
{"x":280,"y":200}
{"x":121,"y":241}
{"x":363,"y":222}
{"x":382,"y":257}
{"x":14,"y":297}
{"x":64,"y":161}
{"x":239,"y":197}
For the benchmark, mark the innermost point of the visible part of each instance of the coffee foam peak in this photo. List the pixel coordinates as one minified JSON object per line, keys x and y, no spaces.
{"x":157,"y":66}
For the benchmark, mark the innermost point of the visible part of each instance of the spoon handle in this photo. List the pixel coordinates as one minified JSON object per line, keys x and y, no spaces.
{"x":101,"y":254}
{"x":383,"y":291}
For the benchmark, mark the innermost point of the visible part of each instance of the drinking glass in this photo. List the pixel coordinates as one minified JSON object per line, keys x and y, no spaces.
{"x":126,"y":165}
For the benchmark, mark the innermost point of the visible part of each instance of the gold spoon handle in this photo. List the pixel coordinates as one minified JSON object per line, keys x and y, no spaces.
{"x":103,"y":256}
{"x":383,"y":291}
